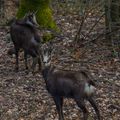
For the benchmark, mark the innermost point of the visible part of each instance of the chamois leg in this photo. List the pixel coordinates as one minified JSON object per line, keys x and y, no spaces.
{"x":34,"y":64}
{"x":81,"y":105}
{"x":25,"y":57}
{"x":59,"y":103}
{"x":94,"y":105}
{"x":39,"y":63}
{"x":17,"y":62}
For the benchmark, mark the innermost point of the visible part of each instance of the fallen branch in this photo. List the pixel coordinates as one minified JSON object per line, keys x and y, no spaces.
{"x":95,"y":25}
{"x":101,"y":35}
{"x":115,"y":107}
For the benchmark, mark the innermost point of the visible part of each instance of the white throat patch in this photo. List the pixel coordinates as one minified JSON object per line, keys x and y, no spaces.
{"x":46,"y":58}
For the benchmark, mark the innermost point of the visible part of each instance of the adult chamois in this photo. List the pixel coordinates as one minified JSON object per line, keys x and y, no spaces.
{"x":68,"y":84}
{"x":24,"y":34}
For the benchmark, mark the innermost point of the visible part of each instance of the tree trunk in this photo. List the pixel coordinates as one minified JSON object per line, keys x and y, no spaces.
{"x":1,"y":8}
{"x":112,"y":12}
{"x":44,"y":14}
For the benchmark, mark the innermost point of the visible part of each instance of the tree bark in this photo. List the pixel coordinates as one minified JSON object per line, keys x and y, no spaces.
{"x":1,"y":8}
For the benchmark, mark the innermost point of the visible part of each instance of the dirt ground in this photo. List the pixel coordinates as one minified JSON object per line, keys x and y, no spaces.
{"x":24,"y":96}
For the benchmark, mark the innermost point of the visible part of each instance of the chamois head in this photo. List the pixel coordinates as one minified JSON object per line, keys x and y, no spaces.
{"x":47,"y":54}
{"x":30,"y":19}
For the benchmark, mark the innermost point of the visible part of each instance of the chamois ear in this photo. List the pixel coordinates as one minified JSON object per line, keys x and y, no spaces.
{"x":32,"y":13}
{"x":26,"y":14}
{"x":35,"y":12}
{"x":51,"y":48}
{"x":50,"y":45}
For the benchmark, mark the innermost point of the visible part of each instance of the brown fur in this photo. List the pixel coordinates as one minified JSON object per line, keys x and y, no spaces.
{"x":69,"y":84}
{"x":26,"y":36}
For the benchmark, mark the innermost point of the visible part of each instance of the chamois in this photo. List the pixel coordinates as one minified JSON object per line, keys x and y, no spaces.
{"x":68,"y":84}
{"x":24,"y":34}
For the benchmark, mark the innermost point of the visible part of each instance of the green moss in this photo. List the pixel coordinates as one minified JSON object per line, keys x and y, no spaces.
{"x":47,"y":37}
{"x":44,"y":18}
{"x":44,"y":14}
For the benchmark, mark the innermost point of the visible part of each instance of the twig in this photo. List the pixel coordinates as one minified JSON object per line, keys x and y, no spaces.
{"x":100,"y":36}
{"x":114,"y":107}
{"x":80,"y":28}
{"x":95,"y":25}
{"x":82,"y":22}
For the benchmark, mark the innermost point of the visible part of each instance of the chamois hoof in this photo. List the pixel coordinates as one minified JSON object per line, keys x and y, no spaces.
{"x":26,"y":68}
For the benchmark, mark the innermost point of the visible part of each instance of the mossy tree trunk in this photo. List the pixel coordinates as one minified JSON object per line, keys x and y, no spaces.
{"x":107,"y":18}
{"x":44,"y":14}
{"x":112,"y":18}
{"x":115,"y":6}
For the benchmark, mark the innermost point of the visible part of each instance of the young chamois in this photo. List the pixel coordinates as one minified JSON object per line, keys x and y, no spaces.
{"x":24,"y":34}
{"x":68,"y":84}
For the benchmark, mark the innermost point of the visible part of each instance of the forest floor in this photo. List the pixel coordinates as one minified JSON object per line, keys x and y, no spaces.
{"x":24,"y":96}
